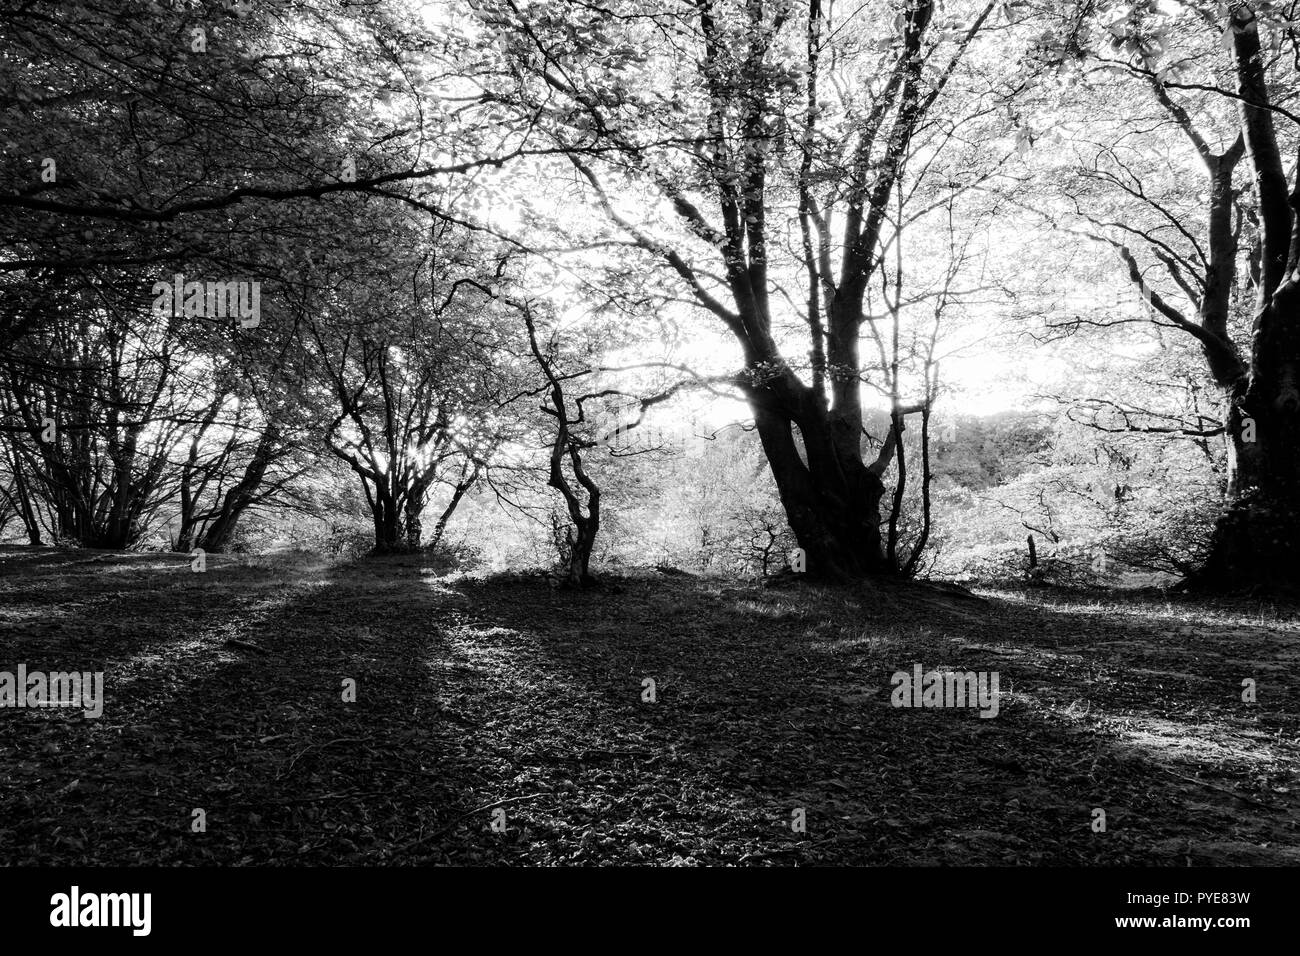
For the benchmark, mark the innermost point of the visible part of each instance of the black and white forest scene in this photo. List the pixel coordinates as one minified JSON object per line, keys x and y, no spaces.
{"x":765,"y":434}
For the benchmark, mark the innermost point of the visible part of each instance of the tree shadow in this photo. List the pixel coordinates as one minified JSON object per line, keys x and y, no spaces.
{"x":767,"y":735}
{"x":770,"y":702}
{"x":257,"y":735}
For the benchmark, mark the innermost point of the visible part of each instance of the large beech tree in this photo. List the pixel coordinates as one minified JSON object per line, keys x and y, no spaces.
{"x":769,"y":138}
{"x":1257,"y":541}
{"x":1225,"y":273}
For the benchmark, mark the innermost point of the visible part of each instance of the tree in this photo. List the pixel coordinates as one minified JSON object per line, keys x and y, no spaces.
{"x":102,"y":400}
{"x":736,"y":136}
{"x":582,"y":503}
{"x":402,"y":372}
{"x":1257,"y":541}
{"x":1213,"y":80}
{"x":147,"y":139}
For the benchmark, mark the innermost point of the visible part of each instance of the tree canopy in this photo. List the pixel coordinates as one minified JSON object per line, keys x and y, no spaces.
{"x":908,"y":280}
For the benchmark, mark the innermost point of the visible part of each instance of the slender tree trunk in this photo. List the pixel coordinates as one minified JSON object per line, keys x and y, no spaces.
{"x":217,"y":535}
{"x":458,"y":493}
{"x":566,"y":445}
{"x":188,"y":494}
{"x":583,"y":543}
{"x":30,"y":521}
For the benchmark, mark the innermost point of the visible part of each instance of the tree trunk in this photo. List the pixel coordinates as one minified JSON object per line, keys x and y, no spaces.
{"x":458,"y":493}
{"x":565,"y":444}
{"x":1256,"y":542}
{"x":832,"y":503}
{"x":414,"y":527}
{"x":388,"y":523}
{"x":30,"y":521}
{"x":217,"y":535}
{"x":580,"y":548}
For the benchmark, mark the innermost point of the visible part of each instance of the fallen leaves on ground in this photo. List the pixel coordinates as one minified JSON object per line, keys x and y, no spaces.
{"x":501,"y":701}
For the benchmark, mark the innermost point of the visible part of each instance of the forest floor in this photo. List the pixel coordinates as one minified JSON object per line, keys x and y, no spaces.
{"x":477,"y":695}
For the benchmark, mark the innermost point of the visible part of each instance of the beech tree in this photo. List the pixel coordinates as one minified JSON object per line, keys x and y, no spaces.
{"x":1214,"y":259}
{"x":1257,"y":542}
{"x":400,"y":367}
{"x":770,"y":136}
{"x":98,"y":407}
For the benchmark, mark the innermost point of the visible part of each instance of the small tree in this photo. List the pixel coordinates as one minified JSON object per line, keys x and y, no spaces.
{"x":567,"y":447}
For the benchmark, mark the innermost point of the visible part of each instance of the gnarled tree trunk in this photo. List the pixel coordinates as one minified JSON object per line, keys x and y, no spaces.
{"x":580,"y":539}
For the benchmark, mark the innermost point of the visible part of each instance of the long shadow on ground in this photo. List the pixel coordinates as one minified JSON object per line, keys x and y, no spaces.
{"x":773,"y":702}
{"x":502,"y":721}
